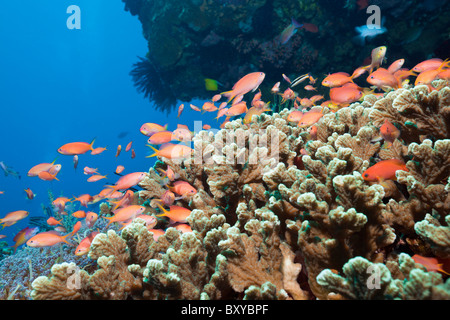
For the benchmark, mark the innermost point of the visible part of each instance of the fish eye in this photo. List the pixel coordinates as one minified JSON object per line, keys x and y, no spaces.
{"x":371,"y":77}
{"x":366,"y":175}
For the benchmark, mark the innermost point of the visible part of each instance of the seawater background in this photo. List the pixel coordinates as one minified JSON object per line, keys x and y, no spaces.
{"x":58,"y":86}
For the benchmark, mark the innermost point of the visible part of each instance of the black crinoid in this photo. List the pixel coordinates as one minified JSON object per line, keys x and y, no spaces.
{"x":148,"y":80}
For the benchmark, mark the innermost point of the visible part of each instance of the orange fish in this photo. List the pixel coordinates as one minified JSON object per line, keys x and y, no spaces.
{"x":183,"y":188}
{"x":128,"y":147}
{"x":12,"y":218}
{"x":150,"y":221}
{"x":46,"y":176}
{"x":91,"y":218}
{"x":310,"y":118}
{"x":221,"y":113}
{"x":180,"y":110}
{"x":124,"y":200}
{"x":119,"y":149}
{"x":149,"y":128}
{"x":182,"y":133}
{"x":80,"y":214}
{"x":183,"y":228}
{"x":175,"y":213}
{"x":313,"y":133}
{"x":310,"y":88}
{"x":384,"y":170}
{"x":247,"y":83}
{"x":396,"y":65}
{"x":389,"y":132}
{"x":156,"y":233}
{"x":84,"y":199}
{"x":34,"y":171}
{"x":98,"y":150}
{"x":47,"y":239}
{"x":168,"y":173}
{"x":445,"y":75}
{"x":195,"y":108}
{"x":128,"y":181}
{"x":337,"y":79}
{"x":125,"y":214}
{"x":382,"y":78}
{"x":237,"y":109}
{"x":426,"y":77}
{"x":255,"y":111}
{"x":173,"y":151}
{"x":54,"y":170}
{"x":95,"y":178}
{"x":30,"y":194}
{"x":167,"y":198}
{"x":120,"y":169}
{"x":88,"y":170}
{"x":161,"y":137}
{"x":295,"y":116}
{"x":346,"y":94}
{"x":432,"y":264}
{"x":53,"y":222}
{"x":429,"y":64}
{"x":85,"y":244}
{"x":76,"y":148}
{"x":209,"y":107}
{"x":275,"y":88}
{"x":288,"y":94}
{"x":206,"y":127}
{"x":60,"y":203}
{"x":316,"y":98}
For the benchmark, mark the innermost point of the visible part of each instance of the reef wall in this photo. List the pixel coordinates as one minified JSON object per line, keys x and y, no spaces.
{"x":189,"y":41}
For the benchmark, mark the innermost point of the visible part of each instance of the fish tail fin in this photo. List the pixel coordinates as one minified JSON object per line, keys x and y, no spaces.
{"x":92,"y":143}
{"x":154,"y":149}
{"x":163,"y":210}
{"x":296,"y":24}
{"x":445,"y":64}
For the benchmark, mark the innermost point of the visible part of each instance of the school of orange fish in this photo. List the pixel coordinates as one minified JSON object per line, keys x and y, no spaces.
{"x":305,"y":113}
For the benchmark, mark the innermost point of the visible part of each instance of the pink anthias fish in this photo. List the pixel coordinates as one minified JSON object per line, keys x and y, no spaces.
{"x":247,"y":83}
{"x":128,"y":181}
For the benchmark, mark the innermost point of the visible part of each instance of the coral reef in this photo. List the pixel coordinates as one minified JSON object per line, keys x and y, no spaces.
{"x":271,"y":222}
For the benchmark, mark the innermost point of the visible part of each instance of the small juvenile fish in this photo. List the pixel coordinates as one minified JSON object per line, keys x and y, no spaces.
{"x":389,"y":132}
{"x":30,"y":194}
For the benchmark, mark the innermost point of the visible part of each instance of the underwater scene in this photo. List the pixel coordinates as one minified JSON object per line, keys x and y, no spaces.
{"x":225,"y":150}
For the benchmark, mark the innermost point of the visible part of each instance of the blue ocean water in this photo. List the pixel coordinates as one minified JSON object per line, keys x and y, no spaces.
{"x":60,"y":85}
